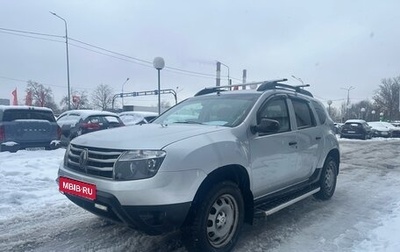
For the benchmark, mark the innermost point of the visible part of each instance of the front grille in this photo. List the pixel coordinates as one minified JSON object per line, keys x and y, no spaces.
{"x":99,"y":162}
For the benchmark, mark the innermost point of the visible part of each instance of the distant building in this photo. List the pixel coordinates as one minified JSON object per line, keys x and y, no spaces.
{"x":4,"y":101}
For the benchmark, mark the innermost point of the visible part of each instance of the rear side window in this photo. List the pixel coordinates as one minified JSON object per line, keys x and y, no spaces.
{"x":93,"y":119}
{"x":304,"y":115}
{"x":111,"y":119}
{"x":320,"y":112}
{"x":25,"y":114}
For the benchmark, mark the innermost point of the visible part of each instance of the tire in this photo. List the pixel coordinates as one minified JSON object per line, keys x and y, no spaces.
{"x":217,"y":220}
{"x":328,"y":179}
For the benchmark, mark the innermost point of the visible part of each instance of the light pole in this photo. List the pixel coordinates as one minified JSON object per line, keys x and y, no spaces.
{"x":373,"y":115}
{"x":158,"y":64}
{"x":381,"y":116}
{"x":362,"y":113}
{"x":66,"y":44}
{"x":348,"y":94}
{"x":123,"y":92}
{"x":229,"y":80}
{"x":329,"y":105}
{"x":348,"y":98}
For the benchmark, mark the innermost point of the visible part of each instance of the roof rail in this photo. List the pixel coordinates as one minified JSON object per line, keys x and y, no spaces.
{"x":210,"y":90}
{"x":276,"y":85}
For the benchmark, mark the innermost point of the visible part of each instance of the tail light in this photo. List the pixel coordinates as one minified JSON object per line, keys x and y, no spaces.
{"x":90,"y":126}
{"x":2,"y":133}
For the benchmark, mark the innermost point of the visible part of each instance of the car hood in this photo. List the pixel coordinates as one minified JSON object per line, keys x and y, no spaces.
{"x":146,"y":136}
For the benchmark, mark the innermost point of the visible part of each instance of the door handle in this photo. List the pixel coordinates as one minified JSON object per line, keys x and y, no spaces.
{"x":292,"y":143}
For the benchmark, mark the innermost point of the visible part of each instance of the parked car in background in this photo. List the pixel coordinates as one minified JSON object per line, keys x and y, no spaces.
{"x":394,"y":131}
{"x":338,"y":127}
{"x":137,"y":117}
{"x":379,"y":129}
{"x":74,"y":123}
{"x":27,"y":127}
{"x":356,"y":128}
{"x":396,"y":124}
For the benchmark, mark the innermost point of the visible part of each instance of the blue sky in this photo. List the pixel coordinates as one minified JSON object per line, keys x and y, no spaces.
{"x":330,"y":44}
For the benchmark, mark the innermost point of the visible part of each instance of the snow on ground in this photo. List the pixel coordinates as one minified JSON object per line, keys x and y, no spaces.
{"x":363,"y":215}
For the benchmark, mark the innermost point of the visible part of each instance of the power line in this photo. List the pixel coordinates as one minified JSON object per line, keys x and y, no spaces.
{"x":28,"y":36}
{"x":134,"y":60}
{"x":29,"y":32}
{"x":144,"y":61}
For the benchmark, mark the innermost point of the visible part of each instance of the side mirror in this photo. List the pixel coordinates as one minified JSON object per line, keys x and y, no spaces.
{"x":266,"y":126}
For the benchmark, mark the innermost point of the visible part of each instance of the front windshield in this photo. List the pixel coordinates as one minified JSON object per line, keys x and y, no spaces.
{"x":219,"y":109}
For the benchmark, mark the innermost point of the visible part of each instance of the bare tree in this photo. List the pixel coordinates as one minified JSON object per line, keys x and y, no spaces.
{"x":80,"y":100}
{"x":40,"y":95}
{"x":102,"y":97}
{"x":387,"y":98}
{"x":165,"y":104}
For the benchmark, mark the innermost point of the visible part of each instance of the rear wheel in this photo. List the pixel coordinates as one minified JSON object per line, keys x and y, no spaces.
{"x":328,"y":179}
{"x":217,"y":222}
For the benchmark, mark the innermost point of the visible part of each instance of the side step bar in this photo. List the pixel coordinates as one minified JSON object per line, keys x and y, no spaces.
{"x":279,"y":207}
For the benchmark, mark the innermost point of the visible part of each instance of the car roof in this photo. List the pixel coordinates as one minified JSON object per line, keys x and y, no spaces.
{"x":88,"y":112}
{"x":22,"y":107}
{"x":142,"y":113}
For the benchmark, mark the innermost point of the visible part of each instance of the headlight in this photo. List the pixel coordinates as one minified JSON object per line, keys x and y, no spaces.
{"x":138,"y":164}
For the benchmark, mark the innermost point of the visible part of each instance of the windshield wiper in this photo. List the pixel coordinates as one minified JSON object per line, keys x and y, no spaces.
{"x":189,"y":122}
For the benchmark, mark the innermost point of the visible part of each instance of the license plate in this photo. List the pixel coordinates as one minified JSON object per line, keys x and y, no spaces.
{"x":384,"y":133}
{"x":78,"y":188}
{"x":351,"y":131}
{"x":35,"y":148}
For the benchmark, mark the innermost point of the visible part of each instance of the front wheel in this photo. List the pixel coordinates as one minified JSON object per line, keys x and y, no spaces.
{"x":328,"y":179}
{"x":217,"y":222}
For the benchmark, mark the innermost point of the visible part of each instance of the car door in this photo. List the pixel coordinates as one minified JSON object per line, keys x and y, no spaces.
{"x":274,"y":155}
{"x":309,"y":138}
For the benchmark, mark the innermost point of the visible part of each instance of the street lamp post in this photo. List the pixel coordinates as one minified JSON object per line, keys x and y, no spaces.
{"x":373,"y":115}
{"x":329,"y":107}
{"x":159,"y":64}
{"x":348,"y":98}
{"x":66,"y":44}
{"x":362,"y":113}
{"x":123,"y":92}
{"x":229,"y":80}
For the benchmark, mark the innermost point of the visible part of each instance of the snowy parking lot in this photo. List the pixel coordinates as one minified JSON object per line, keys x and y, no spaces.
{"x":363,"y":215}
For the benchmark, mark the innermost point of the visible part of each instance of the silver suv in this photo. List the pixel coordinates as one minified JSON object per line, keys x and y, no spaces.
{"x":208,"y":164}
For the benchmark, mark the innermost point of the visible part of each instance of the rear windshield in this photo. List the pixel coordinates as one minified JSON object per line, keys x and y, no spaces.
{"x":353,"y":124}
{"x":18,"y":114}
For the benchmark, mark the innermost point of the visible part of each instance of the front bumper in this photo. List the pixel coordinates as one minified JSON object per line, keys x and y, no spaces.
{"x":154,"y":206}
{"x":152,"y":220}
